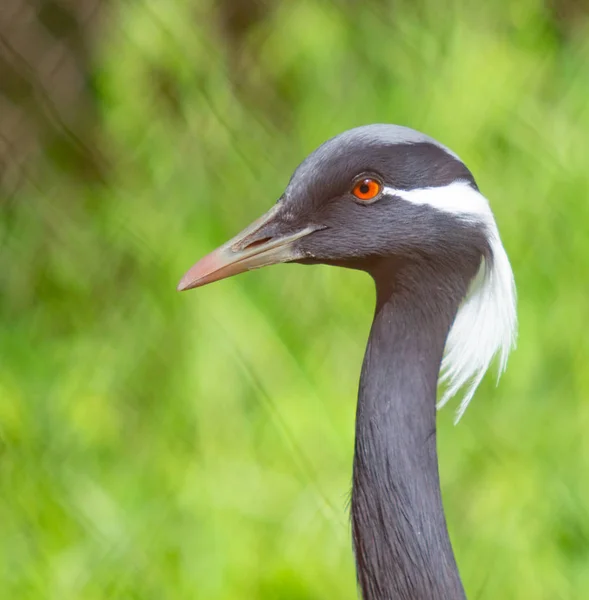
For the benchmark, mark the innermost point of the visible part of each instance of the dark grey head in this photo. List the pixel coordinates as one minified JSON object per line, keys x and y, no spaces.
{"x":353,"y":230}
{"x":356,"y":230}
{"x":375,"y":193}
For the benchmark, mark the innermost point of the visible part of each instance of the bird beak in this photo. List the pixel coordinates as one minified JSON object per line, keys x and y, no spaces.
{"x":260,"y":245}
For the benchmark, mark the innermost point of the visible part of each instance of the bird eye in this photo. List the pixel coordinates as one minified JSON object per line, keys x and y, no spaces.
{"x":366,"y":189}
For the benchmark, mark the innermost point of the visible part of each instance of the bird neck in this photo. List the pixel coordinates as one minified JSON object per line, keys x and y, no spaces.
{"x":400,"y":536}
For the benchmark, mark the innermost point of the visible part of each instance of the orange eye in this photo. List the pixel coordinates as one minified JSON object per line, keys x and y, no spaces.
{"x":367,"y":189}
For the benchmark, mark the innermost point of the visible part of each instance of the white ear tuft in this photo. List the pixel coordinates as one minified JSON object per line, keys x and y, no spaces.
{"x":485,"y":326}
{"x":486,"y":322}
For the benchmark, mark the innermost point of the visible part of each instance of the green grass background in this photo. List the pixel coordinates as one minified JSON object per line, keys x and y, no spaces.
{"x":162,"y":445}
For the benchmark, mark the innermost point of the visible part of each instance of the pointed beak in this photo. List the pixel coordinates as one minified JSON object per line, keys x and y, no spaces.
{"x":260,"y":245}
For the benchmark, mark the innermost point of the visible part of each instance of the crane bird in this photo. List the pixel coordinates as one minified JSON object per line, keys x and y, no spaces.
{"x":399,"y":205}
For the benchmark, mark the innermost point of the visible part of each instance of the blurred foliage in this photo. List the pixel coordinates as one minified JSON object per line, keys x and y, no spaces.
{"x":159,"y":445}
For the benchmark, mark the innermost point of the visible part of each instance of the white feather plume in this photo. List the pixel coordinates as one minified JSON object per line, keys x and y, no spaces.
{"x":486,"y":323}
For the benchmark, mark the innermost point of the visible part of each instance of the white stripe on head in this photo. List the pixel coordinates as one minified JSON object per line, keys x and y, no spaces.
{"x":486,"y":322}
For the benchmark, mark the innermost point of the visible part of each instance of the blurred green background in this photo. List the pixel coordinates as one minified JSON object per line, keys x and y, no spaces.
{"x":163,"y":445}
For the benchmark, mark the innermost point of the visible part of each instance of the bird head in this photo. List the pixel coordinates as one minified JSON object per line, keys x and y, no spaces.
{"x":373,"y":192}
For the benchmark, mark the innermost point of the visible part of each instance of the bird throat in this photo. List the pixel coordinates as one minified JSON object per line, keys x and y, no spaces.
{"x":399,"y":529}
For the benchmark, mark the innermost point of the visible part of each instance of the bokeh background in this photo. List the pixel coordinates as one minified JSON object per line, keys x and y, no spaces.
{"x":163,"y":445}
